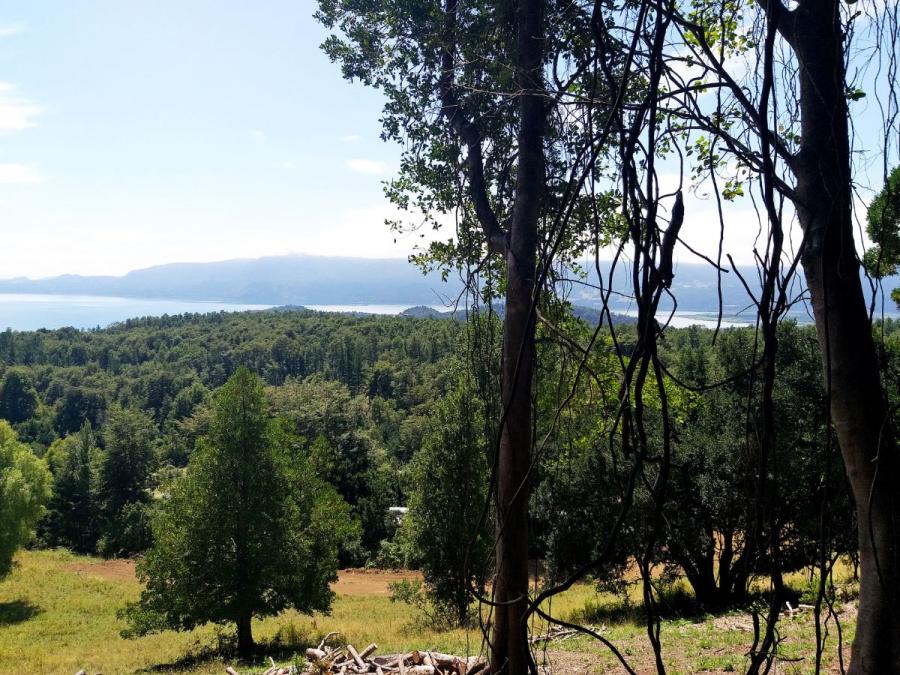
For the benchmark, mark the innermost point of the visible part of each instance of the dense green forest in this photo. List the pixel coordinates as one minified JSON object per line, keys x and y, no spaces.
{"x":381,"y":406}
{"x":176,"y":437}
{"x":117,"y":411}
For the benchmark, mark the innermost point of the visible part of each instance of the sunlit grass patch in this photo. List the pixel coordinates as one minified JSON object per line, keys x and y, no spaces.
{"x":58,"y":615}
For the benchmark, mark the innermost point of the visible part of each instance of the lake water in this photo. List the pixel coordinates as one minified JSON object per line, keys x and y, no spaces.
{"x":33,"y":311}
{"x":21,"y":311}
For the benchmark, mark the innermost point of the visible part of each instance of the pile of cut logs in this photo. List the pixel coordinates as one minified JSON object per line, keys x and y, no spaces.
{"x":348,"y":661}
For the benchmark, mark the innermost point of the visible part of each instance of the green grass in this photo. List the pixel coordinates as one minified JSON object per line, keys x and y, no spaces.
{"x":56,"y":620}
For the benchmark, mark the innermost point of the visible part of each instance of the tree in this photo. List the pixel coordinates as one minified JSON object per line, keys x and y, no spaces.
{"x":124,"y":469}
{"x":883,"y":228}
{"x":18,"y":398}
{"x":712,"y":488}
{"x":25,"y":488}
{"x":793,"y":135}
{"x":450,"y":475}
{"x":337,"y":431}
{"x":71,"y":518}
{"x":77,"y":406}
{"x":450,"y":58}
{"x":248,"y":531}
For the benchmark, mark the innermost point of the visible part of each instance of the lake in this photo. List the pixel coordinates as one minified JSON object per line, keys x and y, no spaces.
{"x":25,"y":311}
{"x":31,"y":311}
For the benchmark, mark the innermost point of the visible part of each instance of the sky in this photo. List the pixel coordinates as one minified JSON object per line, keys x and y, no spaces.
{"x":140,"y":133}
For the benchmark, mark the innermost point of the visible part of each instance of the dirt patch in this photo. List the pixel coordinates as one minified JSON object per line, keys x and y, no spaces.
{"x":740,"y":622}
{"x":369,"y":582}
{"x":108,"y":570}
{"x":568,"y":663}
{"x":350,"y":582}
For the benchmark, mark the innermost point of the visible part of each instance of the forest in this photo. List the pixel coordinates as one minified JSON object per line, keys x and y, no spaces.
{"x":391,"y":412}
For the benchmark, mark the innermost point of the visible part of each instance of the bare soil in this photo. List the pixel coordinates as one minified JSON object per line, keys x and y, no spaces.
{"x":108,"y":570}
{"x":356,"y":582}
{"x":369,"y":581}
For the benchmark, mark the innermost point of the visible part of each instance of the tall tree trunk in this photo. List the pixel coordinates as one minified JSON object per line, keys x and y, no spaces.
{"x":246,"y":645}
{"x":510,"y":653}
{"x":858,"y":406}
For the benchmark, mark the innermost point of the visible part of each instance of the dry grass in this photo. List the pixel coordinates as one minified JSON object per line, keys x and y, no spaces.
{"x":58,"y":615}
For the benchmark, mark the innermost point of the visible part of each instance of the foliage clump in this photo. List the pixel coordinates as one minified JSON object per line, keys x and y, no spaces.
{"x":883,"y":228}
{"x":24,"y":491}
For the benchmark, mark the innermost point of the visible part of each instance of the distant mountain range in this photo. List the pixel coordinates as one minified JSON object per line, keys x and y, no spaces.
{"x":321,"y":280}
{"x":591,"y":315}
{"x":277,"y":280}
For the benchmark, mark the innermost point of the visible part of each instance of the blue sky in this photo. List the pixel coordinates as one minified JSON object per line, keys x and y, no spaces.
{"x":138,"y":133}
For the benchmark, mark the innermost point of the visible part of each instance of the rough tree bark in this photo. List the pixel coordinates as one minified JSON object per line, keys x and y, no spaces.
{"x":858,"y":405}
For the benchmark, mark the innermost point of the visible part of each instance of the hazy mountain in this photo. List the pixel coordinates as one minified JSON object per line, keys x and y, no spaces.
{"x":591,"y":315}
{"x":277,"y":280}
{"x":320,"y":280}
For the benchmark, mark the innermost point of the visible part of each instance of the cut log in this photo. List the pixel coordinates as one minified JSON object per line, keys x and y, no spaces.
{"x":231,"y":671}
{"x":368,"y":650}
{"x":356,"y":657}
{"x":315,"y":654}
{"x":388,"y":661}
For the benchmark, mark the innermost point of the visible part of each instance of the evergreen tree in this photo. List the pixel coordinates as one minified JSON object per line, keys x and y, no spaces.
{"x":71,"y":518}
{"x":248,"y":531}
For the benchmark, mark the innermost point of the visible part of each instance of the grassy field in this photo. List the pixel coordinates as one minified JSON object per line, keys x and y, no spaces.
{"x":58,"y":615}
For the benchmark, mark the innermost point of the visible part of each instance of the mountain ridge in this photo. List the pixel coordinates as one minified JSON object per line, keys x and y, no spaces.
{"x":301,"y":279}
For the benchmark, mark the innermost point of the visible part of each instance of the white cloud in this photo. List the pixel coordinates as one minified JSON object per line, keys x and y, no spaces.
{"x":8,"y":29}
{"x":369,"y":166}
{"x":351,"y":138}
{"x":287,"y":165}
{"x":16,"y":113}
{"x":361,"y":232}
{"x":257,"y":135}
{"x":19,"y":174}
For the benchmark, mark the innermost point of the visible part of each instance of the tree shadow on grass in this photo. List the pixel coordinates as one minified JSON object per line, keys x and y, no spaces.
{"x":17,"y":612}
{"x":674,"y":603}
{"x":287,"y":647}
{"x":259,"y":662}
